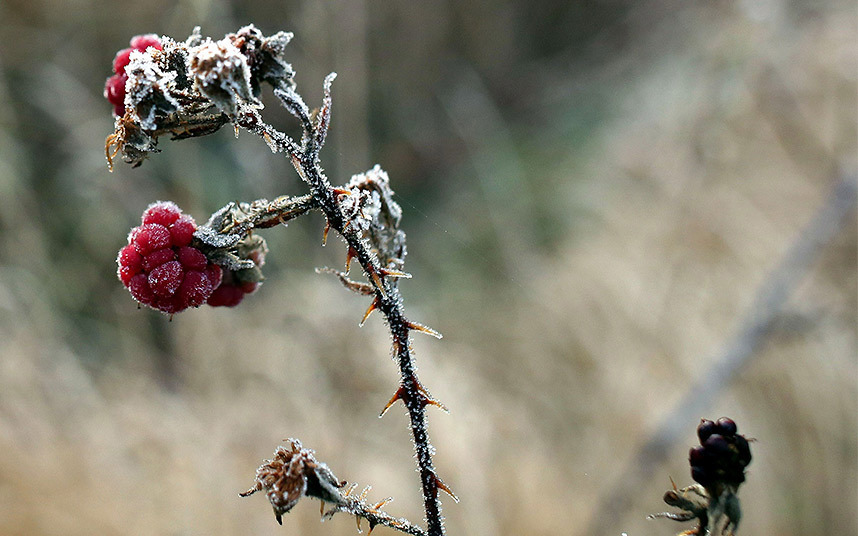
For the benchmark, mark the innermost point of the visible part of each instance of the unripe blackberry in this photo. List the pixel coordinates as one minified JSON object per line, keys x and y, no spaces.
{"x":159,"y":266}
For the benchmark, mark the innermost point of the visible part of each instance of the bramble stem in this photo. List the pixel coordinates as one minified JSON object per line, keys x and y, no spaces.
{"x":304,"y":158}
{"x":390,"y":304}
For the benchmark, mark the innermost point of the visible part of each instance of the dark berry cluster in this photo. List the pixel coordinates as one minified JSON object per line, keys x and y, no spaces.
{"x":160,"y":267}
{"x":114,"y":88}
{"x":722,"y":455}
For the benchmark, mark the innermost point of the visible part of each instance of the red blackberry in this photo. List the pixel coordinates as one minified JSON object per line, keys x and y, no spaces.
{"x":160,"y":268}
{"x":114,"y":87}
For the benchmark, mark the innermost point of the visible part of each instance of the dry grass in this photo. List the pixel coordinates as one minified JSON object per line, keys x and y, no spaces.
{"x":584,"y":267}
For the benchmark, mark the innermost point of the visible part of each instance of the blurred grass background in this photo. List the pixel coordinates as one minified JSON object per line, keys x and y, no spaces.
{"x":593,"y":193}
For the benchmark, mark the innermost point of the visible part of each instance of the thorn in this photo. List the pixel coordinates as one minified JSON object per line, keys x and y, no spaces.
{"x":395,"y":273}
{"x":380,"y":504}
{"x":341,"y":191}
{"x":378,"y":283}
{"x":372,"y":307}
{"x":432,"y":402}
{"x":396,"y":396}
{"x":269,"y":142}
{"x":235,"y":127}
{"x":364,"y":493}
{"x":325,"y":232}
{"x":441,"y":485}
{"x":296,"y":163}
{"x":427,"y":398}
{"x":251,"y":491}
{"x":322,"y":508}
{"x":424,"y":329}
{"x":672,"y":483}
{"x":279,"y":519}
{"x":350,"y":490}
{"x":358,"y":524}
{"x":349,"y":256}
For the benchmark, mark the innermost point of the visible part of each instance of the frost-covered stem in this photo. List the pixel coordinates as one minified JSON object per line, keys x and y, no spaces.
{"x":374,"y":516}
{"x":389,"y":303}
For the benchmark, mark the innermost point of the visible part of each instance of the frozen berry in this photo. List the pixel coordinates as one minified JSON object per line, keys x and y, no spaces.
{"x":226,"y":296}
{"x":122,"y":59}
{"x":234,"y":286}
{"x":114,"y":87}
{"x":142,"y":42}
{"x":159,"y":266}
{"x":163,"y":213}
{"x":215,"y":274}
{"x":139,"y":287}
{"x":114,"y":92}
{"x":192,"y":258}
{"x":182,"y":231}
{"x":150,"y":237}
{"x":157,"y":258}
{"x":195,"y":289}
{"x":165,"y":279}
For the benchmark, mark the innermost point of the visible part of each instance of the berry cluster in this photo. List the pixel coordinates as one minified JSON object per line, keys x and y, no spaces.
{"x":722,"y":455}
{"x":160,"y":267}
{"x":114,"y":88}
{"x":232,"y":290}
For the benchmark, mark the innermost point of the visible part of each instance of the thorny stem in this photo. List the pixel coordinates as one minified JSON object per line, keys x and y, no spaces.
{"x":304,"y":158}
{"x":359,"y":508}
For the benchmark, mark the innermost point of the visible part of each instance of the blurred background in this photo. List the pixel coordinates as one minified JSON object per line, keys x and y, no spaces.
{"x":596,"y":195}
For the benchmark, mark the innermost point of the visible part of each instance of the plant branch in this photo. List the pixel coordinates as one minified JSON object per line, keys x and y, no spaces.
{"x":388,"y":301}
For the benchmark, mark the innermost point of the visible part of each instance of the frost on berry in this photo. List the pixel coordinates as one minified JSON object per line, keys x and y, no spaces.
{"x":162,"y":212}
{"x":157,"y":258}
{"x":114,"y":88}
{"x":234,"y":286}
{"x":192,"y":258}
{"x":159,"y":266}
{"x":191,"y":88}
{"x":182,"y":231}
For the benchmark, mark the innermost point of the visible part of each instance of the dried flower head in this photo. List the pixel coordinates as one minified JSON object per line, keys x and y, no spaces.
{"x":376,"y":215}
{"x":293,"y":473}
